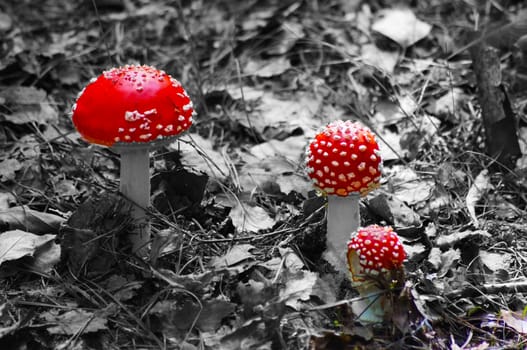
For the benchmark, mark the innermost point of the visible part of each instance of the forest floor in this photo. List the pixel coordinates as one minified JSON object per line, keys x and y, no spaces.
{"x":238,"y":230}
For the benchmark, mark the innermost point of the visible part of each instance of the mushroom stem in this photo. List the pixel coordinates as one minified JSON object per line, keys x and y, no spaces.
{"x":373,"y":305}
{"x":343,"y":218}
{"x":135,"y":186}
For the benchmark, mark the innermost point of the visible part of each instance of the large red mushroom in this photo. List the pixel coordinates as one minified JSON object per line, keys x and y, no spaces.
{"x":375,"y":261}
{"x":133,"y":109}
{"x":344,"y":163}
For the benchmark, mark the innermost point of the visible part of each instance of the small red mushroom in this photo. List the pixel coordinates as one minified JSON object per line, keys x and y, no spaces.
{"x":344,"y":163}
{"x":133,"y":109}
{"x":375,"y":260}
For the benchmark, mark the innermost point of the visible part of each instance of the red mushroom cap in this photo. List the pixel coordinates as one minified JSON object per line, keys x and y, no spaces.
{"x":132,"y":105}
{"x":374,"y":249}
{"x":344,"y":158}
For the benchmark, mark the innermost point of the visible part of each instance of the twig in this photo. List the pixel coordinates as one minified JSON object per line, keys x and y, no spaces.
{"x":489,"y":288}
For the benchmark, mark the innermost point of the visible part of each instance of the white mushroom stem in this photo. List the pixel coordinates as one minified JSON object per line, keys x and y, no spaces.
{"x":373,"y":305}
{"x":135,"y":186}
{"x":343,"y":218}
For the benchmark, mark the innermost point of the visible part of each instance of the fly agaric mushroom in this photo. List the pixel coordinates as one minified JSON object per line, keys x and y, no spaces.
{"x":131,"y":110}
{"x":344,"y":163}
{"x":375,"y":260}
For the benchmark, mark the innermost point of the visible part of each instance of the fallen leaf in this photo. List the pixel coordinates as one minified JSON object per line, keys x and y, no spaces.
{"x":28,"y":105}
{"x":389,"y":144}
{"x":178,"y":317}
{"x":447,"y":105}
{"x":448,"y":259}
{"x":275,"y":163}
{"x":8,"y":169}
{"x":389,"y":113}
{"x":74,"y":322}
{"x":250,"y":218}
{"x":477,"y":191}
{"x":268,"y":68}
{"x":381,"y":59}
{"x":276,"y":116}
{"x":5,"y":22}
{"x":456,"y":237}
{"x":7,"y":199}
{"x":45,"y":258}
{"x":496,"y":261}
{"x":298,"y":287}
{"x":234,"y":256}
{"x":212,"y":314}
{"x":24,"y":218}
{"x":515,"y":320}
{"x":408,"y":186}
{"x":401,"y":25}
{"x":197,"y":153}
{"x":394,"y":211}
{"x":17,"y":244}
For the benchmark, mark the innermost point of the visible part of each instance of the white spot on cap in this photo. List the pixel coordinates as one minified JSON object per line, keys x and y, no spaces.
{"x":188,"y":106}
{"x":343,"y":153}
{"x":318,"y":161}
{"x":120,"y":130}
{"x":361,"y":166}
{"x":116,"y":139}
{"x":372,"y":170}
{"x":363,"y":148}
{"x":159,"y":126}
{"x":181,"y":118}
{"x":319,"y":173}
{"x":169,"y":128}
{"x":346,"y":163}
{"x":127,"y":137}
{"x":373,"y":157}
{"x":354,"y":156}
{"x":145,"y":136}
{"x":150,"y":112}
{"x":334,"y":163}
{"x":350,"y":175}
{"x":326,"y":169}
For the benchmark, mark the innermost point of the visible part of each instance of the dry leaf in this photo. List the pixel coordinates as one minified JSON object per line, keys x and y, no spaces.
{"x":381,"y":59}
{"x":24,"y":218}
{"x":401,"y":25}
{"x":17,"y":244}
{"x":74,"y":321}
{"x":234,"y":256}
{"x":250,"y":218}
{"x":479,"y":188}
{"x":515,"y":320}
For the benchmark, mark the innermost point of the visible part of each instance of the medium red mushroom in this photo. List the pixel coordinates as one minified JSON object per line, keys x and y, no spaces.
{"x":133,"y":109}
{"x":344,"y":163}
{"x":375,"y":260}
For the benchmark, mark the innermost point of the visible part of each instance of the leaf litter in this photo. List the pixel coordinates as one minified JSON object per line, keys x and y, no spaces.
{"x":237,"y":230}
